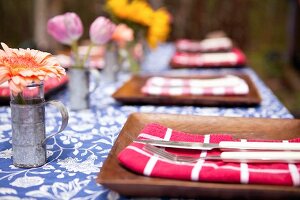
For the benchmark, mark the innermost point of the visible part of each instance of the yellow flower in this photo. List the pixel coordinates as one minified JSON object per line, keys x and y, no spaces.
{"x":157,"y":23}
{"x":118,"y":7}
{"x":140,"y":12}
{"x":159,"y":28}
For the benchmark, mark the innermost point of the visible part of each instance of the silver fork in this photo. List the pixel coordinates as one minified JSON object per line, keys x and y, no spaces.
{"x":237,"y":156}
{"x":172,"y":157}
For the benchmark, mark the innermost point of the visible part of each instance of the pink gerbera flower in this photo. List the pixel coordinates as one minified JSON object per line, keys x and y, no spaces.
{"x":24,"y":66}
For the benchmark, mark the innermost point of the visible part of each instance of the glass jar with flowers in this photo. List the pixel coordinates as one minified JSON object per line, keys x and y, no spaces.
{"x":150,"y":26}
{"x":123,"y":37}
{"x":67,"y":29}
{"x":106,"y":28}
{"x":25,"y":70}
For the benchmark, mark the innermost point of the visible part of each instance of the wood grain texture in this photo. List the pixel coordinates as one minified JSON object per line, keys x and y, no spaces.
{"x":130,"y":93}
{"x":128,"y":183}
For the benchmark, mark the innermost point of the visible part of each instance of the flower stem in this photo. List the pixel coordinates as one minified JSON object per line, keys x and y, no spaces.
{"x":87,"y":54}
{"x":134,"y":65}
{"x":19,"y":99}
{"x":74,"y":48}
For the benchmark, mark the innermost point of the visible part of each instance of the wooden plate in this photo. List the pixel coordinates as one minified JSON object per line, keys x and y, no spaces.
{"x":130,"y":93}
{"x":128,"y":183}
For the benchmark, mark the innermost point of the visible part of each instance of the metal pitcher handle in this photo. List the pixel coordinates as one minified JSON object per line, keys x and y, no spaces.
{"x":64,"y":117}
{"x":96,"y":74}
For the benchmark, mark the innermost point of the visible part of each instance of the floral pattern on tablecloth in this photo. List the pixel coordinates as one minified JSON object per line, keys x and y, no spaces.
{"x":76,"y":156}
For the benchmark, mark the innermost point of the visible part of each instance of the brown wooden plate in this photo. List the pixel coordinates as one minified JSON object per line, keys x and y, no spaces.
{"x":130,"y":93}
{"x":128,"y":183}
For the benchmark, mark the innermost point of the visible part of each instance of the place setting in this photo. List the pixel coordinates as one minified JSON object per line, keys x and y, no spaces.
{"x":166,"y":155}
{"x":203,"y":90}
{"x":215,"y":51}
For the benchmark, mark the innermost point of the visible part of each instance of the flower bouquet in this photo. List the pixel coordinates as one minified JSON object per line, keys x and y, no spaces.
{"x":150,"y":27}
{"x":25,"y":70}
{"x":67,"y":29}
{"x":26,"y":67}
{"x":146,"y":22}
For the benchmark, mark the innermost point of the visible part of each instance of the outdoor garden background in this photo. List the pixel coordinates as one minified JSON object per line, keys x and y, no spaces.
{"x":266,"y":30}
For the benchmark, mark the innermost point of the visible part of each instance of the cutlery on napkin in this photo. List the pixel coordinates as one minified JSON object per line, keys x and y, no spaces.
{"x":224,"y":145}
{"x":137,"y":159}
{"x":233,"y":156}
{"x":227,"y":85}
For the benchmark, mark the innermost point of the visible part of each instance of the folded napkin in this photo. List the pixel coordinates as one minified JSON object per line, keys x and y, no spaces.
{"x":4,"y":90}
{"x":140,"y":161}
{"x":227,"y":85}
{"x":49,"y":85}
{"x":206,"y":45}
{"x":54,"y":83}
{"x":233,"y":58}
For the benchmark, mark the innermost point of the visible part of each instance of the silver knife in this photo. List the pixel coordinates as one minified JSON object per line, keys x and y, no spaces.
{"x":272,"y":146}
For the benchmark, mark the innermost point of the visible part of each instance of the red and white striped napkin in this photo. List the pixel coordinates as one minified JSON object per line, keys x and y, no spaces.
{"x":49,"y":84}
{"x":218,"y":59}
{"x":206,"y":45}
{"x":223,"y":86}
{"x":140,"y":161}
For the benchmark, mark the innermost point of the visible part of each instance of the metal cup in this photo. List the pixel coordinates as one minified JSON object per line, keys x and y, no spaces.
{"x":29,"y":135}
{"x":28,"y":125}
{"x":112,"y":66}
{"x":79,"y":88}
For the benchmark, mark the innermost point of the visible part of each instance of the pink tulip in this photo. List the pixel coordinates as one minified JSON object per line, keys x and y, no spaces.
{"x":101,"y":30}
{"x":65,"y":28}
{"x":122,"y":34}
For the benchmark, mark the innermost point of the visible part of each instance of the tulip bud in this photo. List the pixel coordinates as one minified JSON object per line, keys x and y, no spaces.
{"x":122,"y":34}
{"x":65,"y":28}
{"x":101,"y":30}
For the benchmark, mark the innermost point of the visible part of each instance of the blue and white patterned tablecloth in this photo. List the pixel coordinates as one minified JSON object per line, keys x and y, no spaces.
{"x":75,"y":157}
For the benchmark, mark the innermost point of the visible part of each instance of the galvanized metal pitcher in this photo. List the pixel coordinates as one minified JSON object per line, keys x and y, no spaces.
{"x":79,"y":87}
{"x":28,"y":126}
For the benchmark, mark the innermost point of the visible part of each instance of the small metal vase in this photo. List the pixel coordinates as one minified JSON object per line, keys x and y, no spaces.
{"x":28,"y":126}
{"x":79,"y":81}
{"x":79,"y":87}
{"x":112,"y":65}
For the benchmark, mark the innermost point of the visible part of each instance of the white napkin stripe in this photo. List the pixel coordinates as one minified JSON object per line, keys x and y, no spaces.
{"x":195,"y":174}
{"x":294,"y":174}
{"x":244,"y":170}
{"x":153,"y":159}
{"x":168,"y":134}
{"x":293,"y":171}
{"x":150,"y":165}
